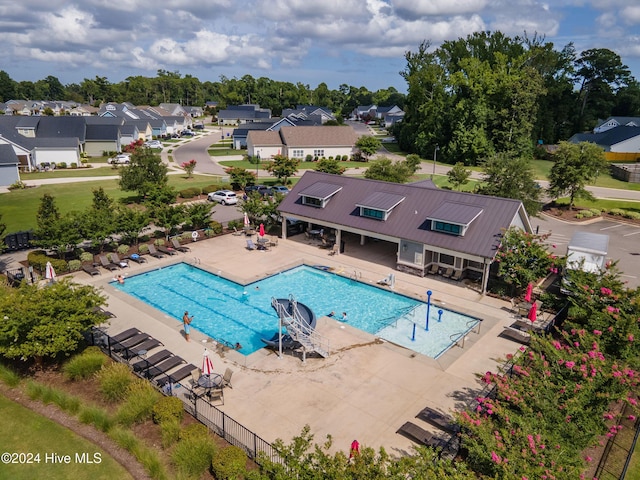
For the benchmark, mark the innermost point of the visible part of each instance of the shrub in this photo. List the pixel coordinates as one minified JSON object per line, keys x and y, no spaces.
{"x":190,"y":192}
{"x":229,"y":463}
{"x":38,"y":260}
{"x":74,"y":265}
{"x":195,"y":430}
{"x":46,"y":394}
{"x":86,"y":257}
{"x":167,"y":409}
{"x":579,"y":216}
{"x":143,"y":248}
{"x":96,"y":416}
{"x":345,"y":158}
{"x":122,"y":249}
{"x":170,"y":431}
{"x":61,"y":165}
{"x":632,"y":215}
{"x":585,"y":214}
{"x":193,"y":456}
{"x":616,"y":212}
{"x":308,"y":158}
{"x":596,"y":211}
{"x":73,"y":165}
{"x":141,"y":397}
{"x":210,"y":188}
{"x":215,"y":227}
{"x":186,"y":236}
{"x":84,"y":365}
{"x":8,"y":376}
{"x":19,"y":185}
{"x":159,"y":242}
{"x":114,"y":381}
{"x":238,"y":224}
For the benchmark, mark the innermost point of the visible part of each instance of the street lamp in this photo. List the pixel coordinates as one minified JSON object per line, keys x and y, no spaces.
{"x":435,"y":151}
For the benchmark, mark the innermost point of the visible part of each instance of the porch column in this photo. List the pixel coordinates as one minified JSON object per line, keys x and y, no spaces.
{"x":485,"y":277}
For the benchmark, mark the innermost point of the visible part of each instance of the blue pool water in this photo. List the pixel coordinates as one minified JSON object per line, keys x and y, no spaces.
{"x":230,"y":312}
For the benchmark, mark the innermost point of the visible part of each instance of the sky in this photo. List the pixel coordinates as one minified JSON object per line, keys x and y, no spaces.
{"x":352,"y":42}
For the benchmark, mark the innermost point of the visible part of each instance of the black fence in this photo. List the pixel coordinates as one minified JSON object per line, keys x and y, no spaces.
{"x":617,"y":452}
{"x":198,"y":406}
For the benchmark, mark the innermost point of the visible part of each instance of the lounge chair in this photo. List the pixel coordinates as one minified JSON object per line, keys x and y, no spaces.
{"x":167,"y":250}
{"x":237,"y":232}
{"x":90,"y":269}
{"x":226,"y":378}
{"x":174,"y":377}
{"x":152,"y":360}
{"x":515,"y":333}
{"x":448,"y":272}
{"x":457,"y":275}
{"x":163,"y":367}
{"x":107,"y":264}
{"x":123,"y":263}
{"x":419,"y":435}
{"x":176,"y":244}
{"x":136,"y":257}
{"x":143,"y":347}
{"x":251,"y":245}
{"x":129,"y":342}
{"x":153,"y":252}
{"x":433,"y":269}
{"x":130,"y":332}
{"x":440,"y":420}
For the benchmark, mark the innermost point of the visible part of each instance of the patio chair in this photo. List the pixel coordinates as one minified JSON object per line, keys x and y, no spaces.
{"x":176,"y":244}
{"x":226,"y":378}
{"x":440,"y":420}
{"x":107,"y":264}
{"x":273,"y":242}
{"x":136,"y":257}
{"x":115,"y":258}
{"x":167,"y":250}
{"x":152,"y":360}
{"x":251,"y":245}
{"x":457,"y":275}
{"x":90,"y":269}
{"x":153,"y":252}
{"x":448,"y":272}
{"x":215,"y":394}
{"x":433,"y":269}
{"x":237,"y":232}
{"x":419,"y":435}
{"x":130,"y":332}
{"x":163,"y":367}
{"x":333,"y":250}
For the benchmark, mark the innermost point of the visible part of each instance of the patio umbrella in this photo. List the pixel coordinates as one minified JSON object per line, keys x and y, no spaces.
{"x":207,"y":364}
{"x":246,"y":219}
{"x":49,"y":272}
{"x":533,"y":312}
{"x":527,"y":296}
{"x":262,"y":230}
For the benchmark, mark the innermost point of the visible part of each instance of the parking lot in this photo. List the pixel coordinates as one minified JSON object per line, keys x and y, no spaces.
{"x":624,"y":242}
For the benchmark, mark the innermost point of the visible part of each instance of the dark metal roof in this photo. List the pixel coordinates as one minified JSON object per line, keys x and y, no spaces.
{"x":381,"y":201}
{"x":409,"y":219}
{"x":320,"y":190}
{"x":458,"y":213}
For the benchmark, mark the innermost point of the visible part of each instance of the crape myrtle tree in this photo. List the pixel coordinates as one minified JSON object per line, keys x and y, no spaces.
{"x":575,"y":165}
{"x":368,"y":146}
{"x":47,"y":322}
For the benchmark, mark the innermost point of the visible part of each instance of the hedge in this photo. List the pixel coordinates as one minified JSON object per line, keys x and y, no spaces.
{"x":38,"y":260}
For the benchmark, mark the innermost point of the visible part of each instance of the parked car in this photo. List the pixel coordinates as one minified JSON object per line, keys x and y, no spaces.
{"x":281,"y":189}
{"x":120,"y":159}
{"x":261,"y":189}
{"x":225,"y":197}
{"x":199,"y":126}
{"x":153,"y":144}
{"x":187,"y":133}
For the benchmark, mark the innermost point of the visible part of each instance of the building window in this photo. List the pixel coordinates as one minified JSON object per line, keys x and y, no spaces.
{"x":314,"y":202}
{"x":447,"y":228}
{"x":297,"y":154}
{"x":372,"y":213}
{"x":318,"y":153}
{"x":447,"y":259}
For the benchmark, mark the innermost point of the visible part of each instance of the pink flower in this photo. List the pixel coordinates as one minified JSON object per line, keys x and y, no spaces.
{"x":588,"y":458}
{"x":630,"y":337}
{"x":570,"y":364}
{"x":554,"y":245}
{"x":597,"y":332}
{"x":495,"y":457}
{"x":631,"y":417}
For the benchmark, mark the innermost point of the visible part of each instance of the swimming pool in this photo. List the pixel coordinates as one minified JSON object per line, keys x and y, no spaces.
{"x":229,"y":312}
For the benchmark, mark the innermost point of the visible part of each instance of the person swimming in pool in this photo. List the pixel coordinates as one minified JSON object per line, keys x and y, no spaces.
{"x":332,"y":314}
{"x":344,"y":316}
{"x":238,"y":346}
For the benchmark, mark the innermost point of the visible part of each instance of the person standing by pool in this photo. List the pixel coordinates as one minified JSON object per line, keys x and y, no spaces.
{"x":186,"y":321}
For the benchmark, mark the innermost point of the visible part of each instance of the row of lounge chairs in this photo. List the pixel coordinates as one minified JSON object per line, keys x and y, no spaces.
{"x":449,"y":272}
{"x":424,"y":437}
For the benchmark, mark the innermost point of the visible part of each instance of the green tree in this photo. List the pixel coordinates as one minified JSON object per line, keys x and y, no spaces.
{"x":145,"y":171}
{"x":198,"y":215}
{"x":7,"y":87}
{"x":100,"y":219}
{"x":46,"y":322}
{"x":384,"y":169}
{"x":3,"y":227}
{"x":131,"y":222}
{"x":283,"y":167}
{"x":240,"y":177}
{"x":575,"y":165}
{"x":55,"y":232}
{"x":330,"y":165}
{"x":511,"y":178}
{"x":368,"y":145}
{"x":262,"y":209}
{"x":458,"y":175}
{"x":168,"y":217}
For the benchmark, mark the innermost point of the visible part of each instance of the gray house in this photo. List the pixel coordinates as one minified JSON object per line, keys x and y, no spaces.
{"x":430,"y":229}
{"x":9,"y":162}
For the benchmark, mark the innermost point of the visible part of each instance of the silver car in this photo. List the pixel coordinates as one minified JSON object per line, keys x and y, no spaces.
{"x":120,"y":159}
{"x":225,"y":197}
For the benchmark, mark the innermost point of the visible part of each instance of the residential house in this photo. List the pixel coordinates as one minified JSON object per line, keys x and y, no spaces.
{"x":613,"y":122}
{"x":425,"y":228}
{"x":9,"y":173}
{"x":315,"y":115}
{"x":620,"y":139}
{"x":239,"y":114}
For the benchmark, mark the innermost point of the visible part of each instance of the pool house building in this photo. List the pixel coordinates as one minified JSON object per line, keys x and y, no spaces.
{"x":436,"y":231}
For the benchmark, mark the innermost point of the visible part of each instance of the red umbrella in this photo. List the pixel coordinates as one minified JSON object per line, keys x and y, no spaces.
{"x":207,"y":364}
{"x":527,"y":296}
{"x":262,"y":229}
{"x":533,"y":311}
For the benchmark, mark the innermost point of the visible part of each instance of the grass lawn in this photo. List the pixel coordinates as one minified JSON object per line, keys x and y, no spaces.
{"x":101,"y":170}
{"x":224,"y":151}
{"x":27,"y":432}
{"x":19,"y":207}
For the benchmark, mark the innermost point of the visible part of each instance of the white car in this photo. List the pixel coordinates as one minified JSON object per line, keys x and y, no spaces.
{"x":225,"y":197}
{"x":153,"y":144}
{"x":120,"y":159}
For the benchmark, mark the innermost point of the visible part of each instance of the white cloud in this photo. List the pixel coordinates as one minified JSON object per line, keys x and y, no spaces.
{"x":408,"y":8}
{"x":631,"y":15}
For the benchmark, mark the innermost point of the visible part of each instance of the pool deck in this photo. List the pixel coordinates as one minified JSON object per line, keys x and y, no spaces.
{"x":367,"y":388}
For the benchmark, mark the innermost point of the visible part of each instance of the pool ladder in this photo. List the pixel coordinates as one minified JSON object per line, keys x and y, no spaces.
{"x":455,"y":337}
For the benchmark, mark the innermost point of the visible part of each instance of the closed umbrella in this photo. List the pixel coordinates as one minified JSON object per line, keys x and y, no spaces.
{"x":262,"y":229}
{"x":527,"y":296}
{"x":246,"y":219}
{"x":207,"y":364}
{"x":49,"y":272}
{"x":533,"y":312}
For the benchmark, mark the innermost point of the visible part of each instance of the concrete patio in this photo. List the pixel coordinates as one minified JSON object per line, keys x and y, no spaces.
{"x":367,"y":388}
